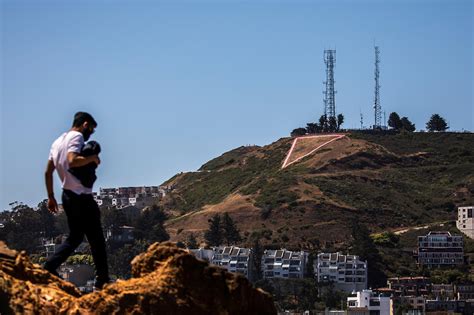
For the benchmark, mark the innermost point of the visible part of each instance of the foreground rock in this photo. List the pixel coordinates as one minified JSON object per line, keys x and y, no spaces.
{"x":167,"y":280}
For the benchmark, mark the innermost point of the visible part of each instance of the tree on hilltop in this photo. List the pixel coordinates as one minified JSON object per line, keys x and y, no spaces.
{"x":407,"y":124}
{"x":312,"y":128}
{"x":332,"y":124}
{"x":394,"y":121}
{"x":340,"y":121}
{"x":298,"y":132}
{"x":323,"y":123}
{"x":436,"y":123}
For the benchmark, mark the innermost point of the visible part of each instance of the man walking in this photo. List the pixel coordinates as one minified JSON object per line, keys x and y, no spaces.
{"x":83,"y":214}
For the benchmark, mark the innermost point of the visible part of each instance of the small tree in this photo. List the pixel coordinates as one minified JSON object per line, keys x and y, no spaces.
{"x":213,"y":235}
{"x":332,"y":124}
{"x":229,"y":230}
{"x":323,"y":123}
{"x":407,"y":124}
{"x":436,"y":123}
{"x":149,"y":225}
{"x":298,"y":132}
{"x":340,"y":121}
{"x":257,"y":259}
{"x":191,"y":242}
{"x":312,"y":128}
{"x":394,"y":121}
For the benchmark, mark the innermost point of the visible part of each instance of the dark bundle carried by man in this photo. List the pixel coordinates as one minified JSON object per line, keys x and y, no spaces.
{"x":86,"y":173}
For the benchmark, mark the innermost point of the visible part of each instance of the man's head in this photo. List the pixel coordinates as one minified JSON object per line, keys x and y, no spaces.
{"x":85,"y":124}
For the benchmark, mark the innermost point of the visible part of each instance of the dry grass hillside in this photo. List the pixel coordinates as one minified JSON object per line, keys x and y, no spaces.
{"x":387,"y":181}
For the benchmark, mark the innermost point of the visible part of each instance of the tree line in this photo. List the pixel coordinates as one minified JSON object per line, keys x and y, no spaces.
{"x":325,"y":124}
{"x":436,"y":123}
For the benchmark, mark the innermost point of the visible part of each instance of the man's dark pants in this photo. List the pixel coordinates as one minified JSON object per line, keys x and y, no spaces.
{"x":83,"y":217}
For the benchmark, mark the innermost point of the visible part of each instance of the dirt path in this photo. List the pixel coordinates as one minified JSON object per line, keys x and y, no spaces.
{"x":420,"y":227}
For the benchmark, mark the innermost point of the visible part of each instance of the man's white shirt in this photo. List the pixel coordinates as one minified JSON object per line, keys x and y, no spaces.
{"x":71,"y":141}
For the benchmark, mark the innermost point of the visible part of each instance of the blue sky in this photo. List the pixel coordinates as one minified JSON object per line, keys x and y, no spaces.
{"x":174,"y":84}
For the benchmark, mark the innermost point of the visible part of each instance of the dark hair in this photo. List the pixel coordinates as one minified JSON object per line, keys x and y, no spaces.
{"x":82,"y":117}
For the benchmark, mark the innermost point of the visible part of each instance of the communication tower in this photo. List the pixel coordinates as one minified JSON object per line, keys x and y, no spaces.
{"x":377,"y":107}
{"x":329,"y":92}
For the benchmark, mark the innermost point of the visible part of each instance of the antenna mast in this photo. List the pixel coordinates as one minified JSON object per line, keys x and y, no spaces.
{"x":329,"y":92}
{"x":377,"y":107}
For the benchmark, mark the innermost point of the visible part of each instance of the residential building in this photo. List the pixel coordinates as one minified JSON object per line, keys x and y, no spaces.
{"x":283,"y":263}
{"x":367,"y":302}
{"x":417,"y":304}
{"x":347,"y":272}
{"x":122,"y":234}
{"x":409,"y":286}
{"x":120,"y":202}
{"x":49,"y":246}
{"x":465,"y":222}
{"x":442,"y":291}
{"x":77,"y":274}
{"x":440,"y":248}
{"x":143,"y":201}
{"x":141,"y":196}
{"x":464,"y":291}
{"x":234,"y":259}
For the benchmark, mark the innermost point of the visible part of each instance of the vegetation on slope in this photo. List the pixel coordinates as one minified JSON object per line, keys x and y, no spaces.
{"x":385,"y":180}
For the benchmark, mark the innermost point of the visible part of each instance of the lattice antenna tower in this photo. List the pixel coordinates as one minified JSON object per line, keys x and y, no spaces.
{"x":377,"y":107}
{"x":329,"y":92}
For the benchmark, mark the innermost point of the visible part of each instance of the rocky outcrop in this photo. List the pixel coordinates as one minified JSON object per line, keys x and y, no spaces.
{"x":166,"y":280}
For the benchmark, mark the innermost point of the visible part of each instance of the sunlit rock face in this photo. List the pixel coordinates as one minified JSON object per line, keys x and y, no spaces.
{"x":166,"y":280}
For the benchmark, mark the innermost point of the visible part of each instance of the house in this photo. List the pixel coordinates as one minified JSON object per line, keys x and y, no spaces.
{"x":440,"y":248}
{"x":347,"y":272}
{"x":465,"y":221}
{"x":367,"y":302}
{"x":283,"y":263}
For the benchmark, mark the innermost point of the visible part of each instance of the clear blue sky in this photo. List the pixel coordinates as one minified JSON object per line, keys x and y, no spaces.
{"x":174,"y":84}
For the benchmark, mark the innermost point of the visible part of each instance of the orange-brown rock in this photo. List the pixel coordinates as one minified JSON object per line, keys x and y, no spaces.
{"x":167,"y":280}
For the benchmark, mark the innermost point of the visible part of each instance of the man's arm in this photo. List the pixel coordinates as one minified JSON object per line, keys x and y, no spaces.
{"x":48,"y":175}
{"x":76,"y":160}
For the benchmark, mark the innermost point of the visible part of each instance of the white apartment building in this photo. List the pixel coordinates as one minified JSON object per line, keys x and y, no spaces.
{"x":347,"y":272}
{"x":283,"y":263}
{"x":465,"y":222}
{"x":366,"y":302}
{"x":234,"y":259}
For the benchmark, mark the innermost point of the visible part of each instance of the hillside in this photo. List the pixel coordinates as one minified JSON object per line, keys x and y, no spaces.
{"x":387,"y":181}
